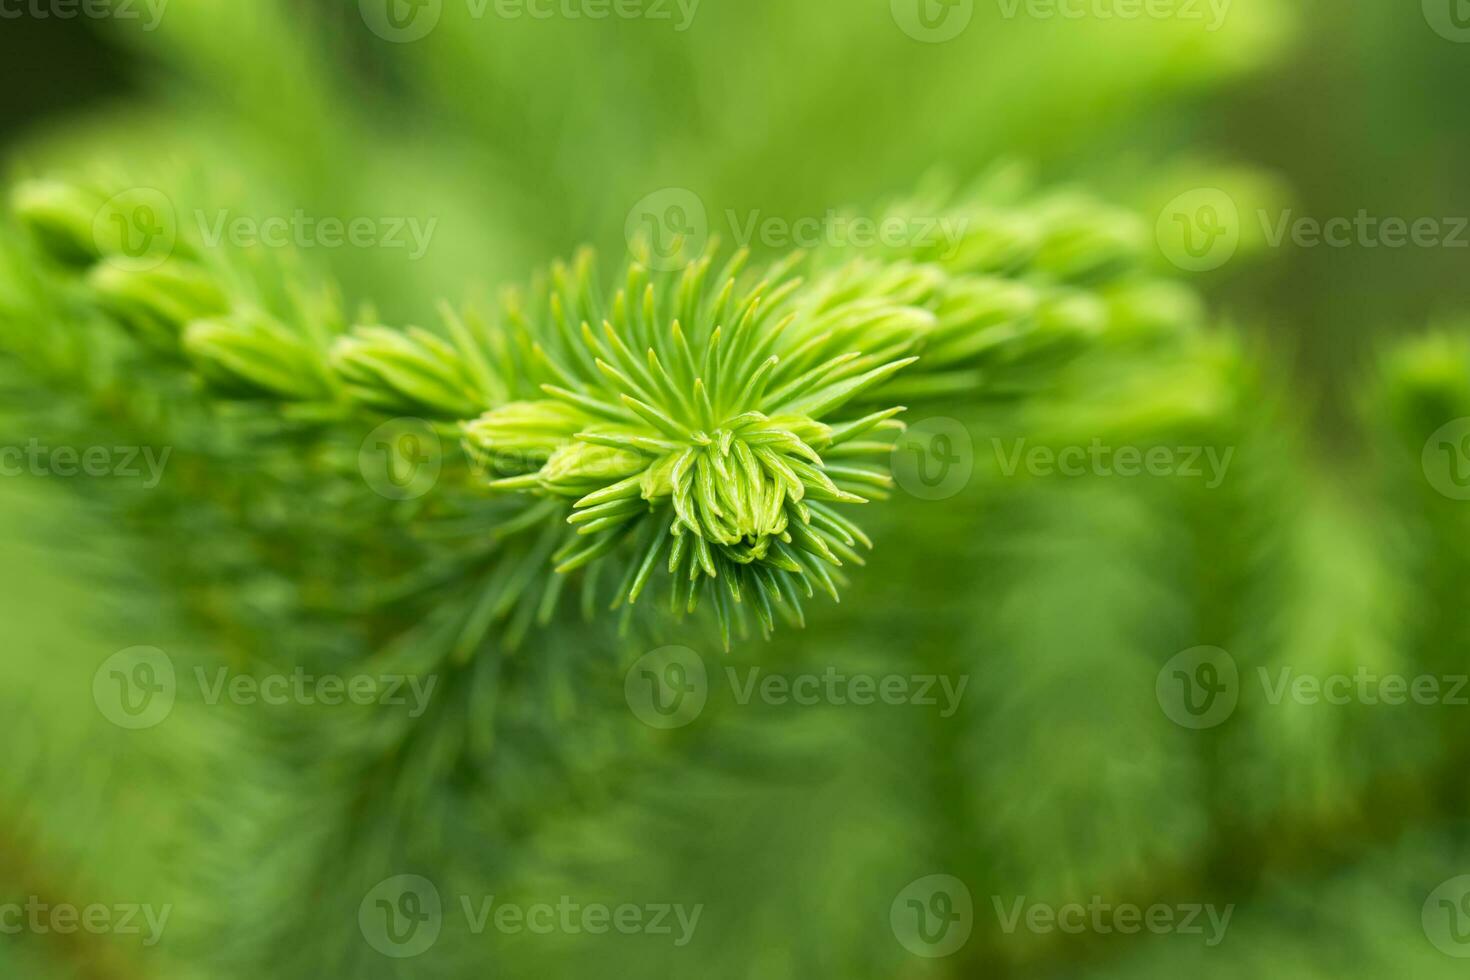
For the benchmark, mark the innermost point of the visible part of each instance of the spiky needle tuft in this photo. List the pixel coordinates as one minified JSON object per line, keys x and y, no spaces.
{"x":704,"y":424}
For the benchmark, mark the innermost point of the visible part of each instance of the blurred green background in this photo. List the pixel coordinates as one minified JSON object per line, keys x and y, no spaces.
{"x":1333,"y":833}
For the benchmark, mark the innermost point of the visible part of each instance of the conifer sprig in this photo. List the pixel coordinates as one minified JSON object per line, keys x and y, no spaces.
{"x":701,"y":424}
{"x":710,"y":426}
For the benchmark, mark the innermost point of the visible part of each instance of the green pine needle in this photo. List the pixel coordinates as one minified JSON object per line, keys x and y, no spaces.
{"x":703,"y":426}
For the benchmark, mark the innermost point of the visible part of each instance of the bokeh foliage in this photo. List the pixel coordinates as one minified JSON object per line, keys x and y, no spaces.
{"x":1060,"y":599}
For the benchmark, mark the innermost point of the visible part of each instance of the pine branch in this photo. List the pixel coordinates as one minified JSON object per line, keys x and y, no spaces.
{"x":708,"y":426}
